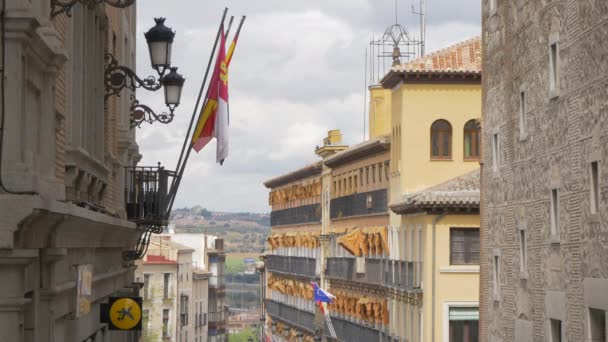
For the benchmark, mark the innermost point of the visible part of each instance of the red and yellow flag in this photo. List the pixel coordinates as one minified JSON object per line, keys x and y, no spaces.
{"x":213,"y":120}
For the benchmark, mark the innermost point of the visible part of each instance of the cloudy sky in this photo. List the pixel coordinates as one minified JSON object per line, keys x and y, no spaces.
{"x":297,"y":72}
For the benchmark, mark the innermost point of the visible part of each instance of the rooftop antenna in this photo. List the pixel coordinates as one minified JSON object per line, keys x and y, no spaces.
{"x":395,"y":45}
{"x":422,"y":15}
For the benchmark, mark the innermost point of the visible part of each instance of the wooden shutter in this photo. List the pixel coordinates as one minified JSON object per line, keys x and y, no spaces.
{"x":457,"y":246}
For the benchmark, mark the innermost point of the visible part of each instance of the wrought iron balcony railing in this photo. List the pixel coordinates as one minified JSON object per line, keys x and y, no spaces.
{"x":293,"y":316}
{"x":351,"y":331}
{"x":304,"y":214}
{"x":366,"y":203}
{"x":147,"y":195}
{"x":403,"y":275}
{"x":292,"y":265}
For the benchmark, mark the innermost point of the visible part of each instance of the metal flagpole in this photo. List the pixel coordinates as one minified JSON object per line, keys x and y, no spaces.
{"x":182,"y":167}
{"x":200,"y":92}
{"x":175,"y":182}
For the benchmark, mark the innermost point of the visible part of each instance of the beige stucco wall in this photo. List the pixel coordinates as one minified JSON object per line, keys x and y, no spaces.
{"x":416,"y":107}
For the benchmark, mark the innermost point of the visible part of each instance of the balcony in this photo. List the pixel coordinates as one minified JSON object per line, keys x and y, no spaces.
{"x":403,"y":275}
{"x":350,"y":331}
{"x":299,"y":266}
{"x":217,"y":321}
{"x":295,"y":317}
{"x":147,"y":194}
{"x":366,"y":203}
{"x":298,"y":215}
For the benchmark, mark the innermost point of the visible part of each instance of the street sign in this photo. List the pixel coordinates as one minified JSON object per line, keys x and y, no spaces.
{"x":122,"y":313}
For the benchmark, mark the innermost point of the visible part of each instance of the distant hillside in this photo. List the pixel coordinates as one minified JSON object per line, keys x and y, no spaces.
{"x":242,"y":232}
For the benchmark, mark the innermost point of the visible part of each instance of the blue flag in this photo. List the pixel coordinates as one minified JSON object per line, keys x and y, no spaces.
{"x":321,"y":296}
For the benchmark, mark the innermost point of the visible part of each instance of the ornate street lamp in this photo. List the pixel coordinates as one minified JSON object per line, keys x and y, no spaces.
{"x":65,"y":6}
{"x":173,"y":83}
{"x":141,"y":113}
{"x":117,"y":77}
{"x":160,"y":42}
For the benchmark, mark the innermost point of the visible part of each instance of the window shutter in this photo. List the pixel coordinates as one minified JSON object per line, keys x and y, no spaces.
{"x":457,"y":247}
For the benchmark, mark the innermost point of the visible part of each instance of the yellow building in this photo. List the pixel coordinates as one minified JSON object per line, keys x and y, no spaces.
{"x":434,"y":223}
{"x":390,"y":225}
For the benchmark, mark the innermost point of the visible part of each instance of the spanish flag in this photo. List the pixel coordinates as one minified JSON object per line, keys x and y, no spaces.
{"x":213,"y":120}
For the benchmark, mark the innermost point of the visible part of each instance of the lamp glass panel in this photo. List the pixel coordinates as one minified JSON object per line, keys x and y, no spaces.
{"x":158,"y":54}
{"x":172,"y":94}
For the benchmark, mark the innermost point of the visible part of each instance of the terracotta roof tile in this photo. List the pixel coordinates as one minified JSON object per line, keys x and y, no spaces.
{"x":462,"y":57}
{"x":459,"y":192}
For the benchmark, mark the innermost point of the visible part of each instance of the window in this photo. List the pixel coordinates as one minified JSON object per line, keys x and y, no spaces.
{"x":367,"y":175}
{"x":464,"y":246}
{"x":86,"y":119}
{"x":595,"y":187}
{"x":496,"y":273}
{"x":146,"y":320}
{"x":556,"y":330}
{"x":361,"y":176}
{"x":350,"y":183}
{"x":522,"y":115}
{"x":167,"y":277}
{"x":355,"y":183}
{"x":553,"y":65}
{"x":464,"y":324}
{"x":183,"y":314}
{"x":495,"y":150}
{"x":492,"y":4}
{"x":166,"y":323}
{"x":374,"y":174}
{"x":441,"y":140}
{"x":146,"y":286}
{"x":597,"y":325}
{"x":471,"y":140}
{"x":554,"y":213}
{"x":523,"y":255}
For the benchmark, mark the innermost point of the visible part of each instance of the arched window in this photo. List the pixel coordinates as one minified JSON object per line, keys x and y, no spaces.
{"x":441,"y":140}
{"x":471,"y":140}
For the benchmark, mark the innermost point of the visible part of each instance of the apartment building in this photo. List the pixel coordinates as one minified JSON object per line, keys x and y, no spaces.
{"x":218,"y":308}
{"x":434,"y":194}
{"x":294,"y":256}
{"x":544,"y":274}
{"x":391,"y":225}
{"x":63,"y":153}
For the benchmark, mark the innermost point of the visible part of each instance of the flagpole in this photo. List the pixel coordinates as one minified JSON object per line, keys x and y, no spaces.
{"x":181,"y":168}
{"x":175,"y":182}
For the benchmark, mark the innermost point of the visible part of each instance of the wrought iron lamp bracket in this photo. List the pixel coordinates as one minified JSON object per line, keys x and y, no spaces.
{"x":141,"y":113}
{"x":118,"y":77}
{"x":65,"y":6}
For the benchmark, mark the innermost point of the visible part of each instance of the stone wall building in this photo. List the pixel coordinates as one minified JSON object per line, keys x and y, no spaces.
{"x":544,"y":204}
{"x":63,"y":153}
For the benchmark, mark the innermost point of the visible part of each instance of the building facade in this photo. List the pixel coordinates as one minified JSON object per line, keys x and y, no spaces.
{"x":218,"y":308}
{"x":389,"y":226}
{"x":63,"y":226}
{"x":544,"y":275}
{"x":294,"y":256}
{"x":434,"y":194}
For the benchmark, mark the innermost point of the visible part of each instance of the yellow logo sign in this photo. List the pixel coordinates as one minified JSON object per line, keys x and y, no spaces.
{"x":125,"y":313}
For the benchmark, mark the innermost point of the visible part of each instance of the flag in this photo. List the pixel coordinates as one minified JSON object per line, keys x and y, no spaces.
{"x":214,"y":117}
{"x":323,"y":297}
{"x":320,"y":295}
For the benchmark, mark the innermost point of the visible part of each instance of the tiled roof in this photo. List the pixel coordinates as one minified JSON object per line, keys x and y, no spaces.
{"x":158,"y":259}
{"x":307,"y":171}
{"x":457,"y":193}
{"x":359,"y":151}
{"x":462,"y":57}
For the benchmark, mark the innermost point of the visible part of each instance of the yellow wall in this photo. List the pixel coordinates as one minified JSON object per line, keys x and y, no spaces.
{"x":420,"y":105}
{"x":452,"y":283}
{"x":379,"y":111}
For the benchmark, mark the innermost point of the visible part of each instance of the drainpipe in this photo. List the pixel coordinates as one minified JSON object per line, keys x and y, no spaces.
{"x":435,"y":221}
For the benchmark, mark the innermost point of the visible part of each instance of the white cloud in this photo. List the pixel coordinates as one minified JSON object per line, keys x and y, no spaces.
{"x":297,"y":72}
